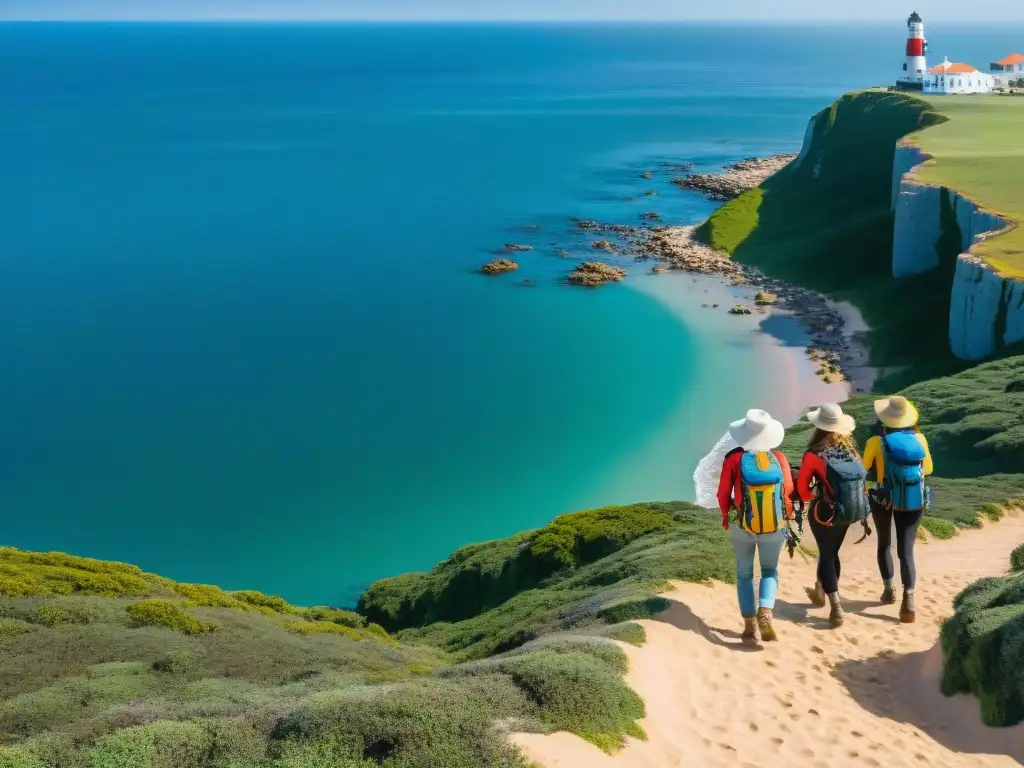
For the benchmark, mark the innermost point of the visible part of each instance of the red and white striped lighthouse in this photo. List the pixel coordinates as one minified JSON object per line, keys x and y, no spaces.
{"x":916,"y":66}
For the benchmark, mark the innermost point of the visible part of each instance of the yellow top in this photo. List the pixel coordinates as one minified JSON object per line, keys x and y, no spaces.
{"x":875,"y":456}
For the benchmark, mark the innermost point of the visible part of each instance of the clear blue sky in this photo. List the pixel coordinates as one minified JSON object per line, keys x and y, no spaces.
{"x":781,"y":10}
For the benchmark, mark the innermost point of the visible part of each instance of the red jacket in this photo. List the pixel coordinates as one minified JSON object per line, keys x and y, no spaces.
{"x":812,"y":467}
{"x":730,"y":486}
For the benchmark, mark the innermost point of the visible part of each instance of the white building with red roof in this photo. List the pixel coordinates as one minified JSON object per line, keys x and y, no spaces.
{"x":1011,"y":65}
{"x":952,"y":77}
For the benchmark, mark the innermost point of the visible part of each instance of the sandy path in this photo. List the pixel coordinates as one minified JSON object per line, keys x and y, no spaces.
{"x":864,"y":695}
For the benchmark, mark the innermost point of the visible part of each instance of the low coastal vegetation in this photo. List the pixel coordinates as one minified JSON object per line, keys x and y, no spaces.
{"x":983,"y":644}
{"x":104,"y":665}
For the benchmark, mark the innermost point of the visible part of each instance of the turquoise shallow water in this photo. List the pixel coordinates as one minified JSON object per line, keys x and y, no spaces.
{"x":242,"y":342}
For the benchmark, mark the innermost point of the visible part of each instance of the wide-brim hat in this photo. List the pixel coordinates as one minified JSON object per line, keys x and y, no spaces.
{"x":758,"y":431}
{"x":830,"y":418}
{"x":896,"y":412}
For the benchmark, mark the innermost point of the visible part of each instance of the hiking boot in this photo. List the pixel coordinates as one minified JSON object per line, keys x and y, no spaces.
{"x":749,"y":628}
{"x":835,"y":616}
{"x":816,"y":595}
{"x":889,"y":595}
{"x":908,"y":612}
{"x":764,"y":623}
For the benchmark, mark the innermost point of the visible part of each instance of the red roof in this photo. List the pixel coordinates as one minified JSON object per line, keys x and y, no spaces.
{"x":1009,"y":61}
{"x":948,"y":68}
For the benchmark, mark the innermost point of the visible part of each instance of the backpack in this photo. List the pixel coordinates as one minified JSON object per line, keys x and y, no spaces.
{"x":904,"y":470}
{"x":844,"y":494}
{"x":761,"y":481}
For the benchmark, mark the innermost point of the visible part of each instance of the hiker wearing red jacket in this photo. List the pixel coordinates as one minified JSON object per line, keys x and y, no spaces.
{"x":754,"y":496}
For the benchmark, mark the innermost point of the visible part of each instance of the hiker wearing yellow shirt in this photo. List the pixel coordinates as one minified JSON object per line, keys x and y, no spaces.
{"x":898,"y":459}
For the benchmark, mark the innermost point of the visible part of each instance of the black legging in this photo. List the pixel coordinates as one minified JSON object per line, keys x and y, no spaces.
{"x":907,"y":524}
{"x":830,"y":540}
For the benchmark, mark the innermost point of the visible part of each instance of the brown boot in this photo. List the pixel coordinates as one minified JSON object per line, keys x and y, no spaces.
{"x":835,"y":616}
{"x":888,"y":594}
{"x":764,"y":623}
{"x":749,"y":628}
{"x":816,"y":595}
{"x":908,"y":611}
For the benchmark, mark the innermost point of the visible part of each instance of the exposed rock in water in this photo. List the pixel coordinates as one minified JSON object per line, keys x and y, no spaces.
{"x":650,"y":216}
{"x":650,"y":193}
{"x":562,"y":253}
{"x":604,"y":245}
{"x":763,"y":298}
{"x":499,"y":266}
{"x":737,"y":178}
{"x":591,"y":273}
{"x":657,"y":269}
{"x":739,"y":309}
{"x":647,"y":175}
{"x":516,"y":248}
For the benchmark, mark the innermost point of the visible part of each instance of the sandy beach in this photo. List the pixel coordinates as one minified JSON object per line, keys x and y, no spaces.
{"x":866,"y":694}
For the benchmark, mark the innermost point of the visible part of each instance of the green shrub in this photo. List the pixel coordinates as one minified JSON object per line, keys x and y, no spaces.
{"x":321,"y":754}
{"x":336,"y":616}
{"x":1017,"y":559}
{"x":28,"y":574}
{"x":157,"y":745}
{"x":631,"y":633}
{"x":13,"y":628}
{"x":322,"y":628}
{"x":580,"y":694}
{"x":19,"y":757}
{"x":161,"y":613}
{"x":983,"y":647}
{"x":939,"y":528}
{"x":259,"y":600}
{"x":420,"y":724}
{"x":208,"y":596}
{"x":480,"y":577}
{"x":630,"y":610}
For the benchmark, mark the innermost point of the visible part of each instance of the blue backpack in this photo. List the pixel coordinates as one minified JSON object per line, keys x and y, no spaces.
{"x":763,"y":505}
{"x":904,"y":470}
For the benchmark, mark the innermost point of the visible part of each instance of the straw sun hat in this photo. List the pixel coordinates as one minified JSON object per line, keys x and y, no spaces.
{"x":896,"y":412}
{"x":830,"y":418}
{"x":758,"y":431}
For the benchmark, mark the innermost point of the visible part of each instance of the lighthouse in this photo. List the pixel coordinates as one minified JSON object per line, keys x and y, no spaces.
{"x":915,"y":67}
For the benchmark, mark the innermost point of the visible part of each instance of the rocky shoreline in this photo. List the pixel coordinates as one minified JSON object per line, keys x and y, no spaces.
{"x":737,"y":177}
{"x":830,"y":349}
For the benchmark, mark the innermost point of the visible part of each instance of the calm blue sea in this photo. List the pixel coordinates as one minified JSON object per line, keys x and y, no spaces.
{"x":240,"y":335}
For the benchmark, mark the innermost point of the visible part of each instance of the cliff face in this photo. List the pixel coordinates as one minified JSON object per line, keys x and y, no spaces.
{"x":986,"y":310}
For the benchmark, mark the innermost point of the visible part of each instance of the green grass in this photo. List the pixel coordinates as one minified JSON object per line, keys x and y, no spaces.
{"x":978,"y":151}
{"x":983,"y":647}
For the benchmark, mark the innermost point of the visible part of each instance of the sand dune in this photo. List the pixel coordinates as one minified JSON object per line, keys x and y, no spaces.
{"x":863,"y":695}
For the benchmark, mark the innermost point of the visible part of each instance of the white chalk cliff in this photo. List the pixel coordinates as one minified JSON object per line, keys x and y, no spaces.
{"x":986,"y":310}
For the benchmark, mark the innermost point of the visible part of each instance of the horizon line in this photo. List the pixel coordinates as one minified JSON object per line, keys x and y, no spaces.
{"x":456,"y":20}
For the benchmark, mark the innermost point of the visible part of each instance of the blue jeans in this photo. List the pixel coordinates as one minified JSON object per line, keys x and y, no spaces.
{"x":768,"y":547}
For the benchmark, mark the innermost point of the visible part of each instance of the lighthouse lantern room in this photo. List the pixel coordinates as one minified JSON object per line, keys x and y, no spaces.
{"x":915,"y":68}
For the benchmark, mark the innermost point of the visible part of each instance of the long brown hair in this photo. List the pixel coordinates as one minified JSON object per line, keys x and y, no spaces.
{"x":820,"y":440}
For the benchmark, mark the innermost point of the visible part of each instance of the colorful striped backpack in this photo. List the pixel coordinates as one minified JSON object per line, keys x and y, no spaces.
{"x":762,"y":483}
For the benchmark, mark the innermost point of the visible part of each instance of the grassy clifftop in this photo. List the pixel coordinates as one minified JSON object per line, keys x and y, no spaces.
{"x":978,"y":151}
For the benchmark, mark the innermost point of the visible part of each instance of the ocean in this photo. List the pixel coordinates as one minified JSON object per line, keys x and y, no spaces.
{"x":242,"y":337}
